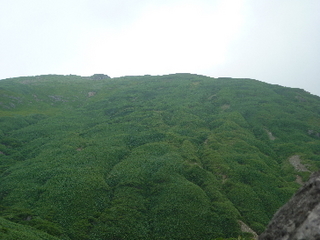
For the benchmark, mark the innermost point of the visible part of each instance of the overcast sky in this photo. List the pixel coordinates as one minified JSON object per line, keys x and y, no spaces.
{"x":275,"y":41}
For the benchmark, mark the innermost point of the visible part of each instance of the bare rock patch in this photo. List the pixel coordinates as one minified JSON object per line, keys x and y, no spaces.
{"x":295,"y":161}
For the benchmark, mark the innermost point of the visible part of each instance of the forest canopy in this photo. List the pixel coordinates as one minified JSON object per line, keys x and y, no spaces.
{"x":178,"y":156}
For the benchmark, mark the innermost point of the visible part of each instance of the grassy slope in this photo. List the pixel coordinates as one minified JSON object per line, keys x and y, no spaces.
{"x":179,"y":156}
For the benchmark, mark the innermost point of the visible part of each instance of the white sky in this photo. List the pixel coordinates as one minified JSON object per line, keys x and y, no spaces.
{"x":275,"y":41}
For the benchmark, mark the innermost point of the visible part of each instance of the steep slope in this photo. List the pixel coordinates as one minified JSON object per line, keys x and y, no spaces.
{"x":153,"y":157}
{"x":14,"y":231}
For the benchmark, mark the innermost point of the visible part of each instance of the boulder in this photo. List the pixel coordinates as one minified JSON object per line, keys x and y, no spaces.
{"x":298,"y":219}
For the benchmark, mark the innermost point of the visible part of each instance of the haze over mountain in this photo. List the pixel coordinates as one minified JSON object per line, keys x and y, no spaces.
{"x":178,"y":156}
{"x":273,"y":41}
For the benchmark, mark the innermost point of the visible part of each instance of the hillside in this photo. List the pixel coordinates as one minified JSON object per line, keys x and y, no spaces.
{"x":151,"y":157}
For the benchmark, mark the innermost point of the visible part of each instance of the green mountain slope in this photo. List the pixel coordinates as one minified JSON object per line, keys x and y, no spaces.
{"x":152,"y":157}
{"x":14,"y":231}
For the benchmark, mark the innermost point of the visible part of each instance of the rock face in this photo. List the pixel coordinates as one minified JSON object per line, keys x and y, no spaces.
{"x":299,"y":219}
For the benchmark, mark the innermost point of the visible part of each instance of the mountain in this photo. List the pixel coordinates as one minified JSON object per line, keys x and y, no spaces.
{"x":151,"y":157}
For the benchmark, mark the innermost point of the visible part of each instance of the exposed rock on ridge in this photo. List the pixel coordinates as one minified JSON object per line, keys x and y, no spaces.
{"x":99,"y":76}
{"x":300,"y":217}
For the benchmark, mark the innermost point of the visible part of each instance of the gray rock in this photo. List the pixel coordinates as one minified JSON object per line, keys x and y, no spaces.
{"x":299,"y":219}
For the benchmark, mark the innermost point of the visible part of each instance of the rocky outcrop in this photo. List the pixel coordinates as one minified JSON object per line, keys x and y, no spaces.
{"x":295,"y":161}
{"x":99,"y":76}
{"x":299,"y":219}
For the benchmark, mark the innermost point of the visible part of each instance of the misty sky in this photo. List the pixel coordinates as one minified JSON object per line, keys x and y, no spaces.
{"x":275,"y":41}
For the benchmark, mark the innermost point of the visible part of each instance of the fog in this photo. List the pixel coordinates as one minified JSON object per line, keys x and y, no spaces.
{"x":272,"y":41}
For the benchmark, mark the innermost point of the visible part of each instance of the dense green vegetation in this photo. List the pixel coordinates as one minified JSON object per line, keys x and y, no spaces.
{"x":152,"y":157}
